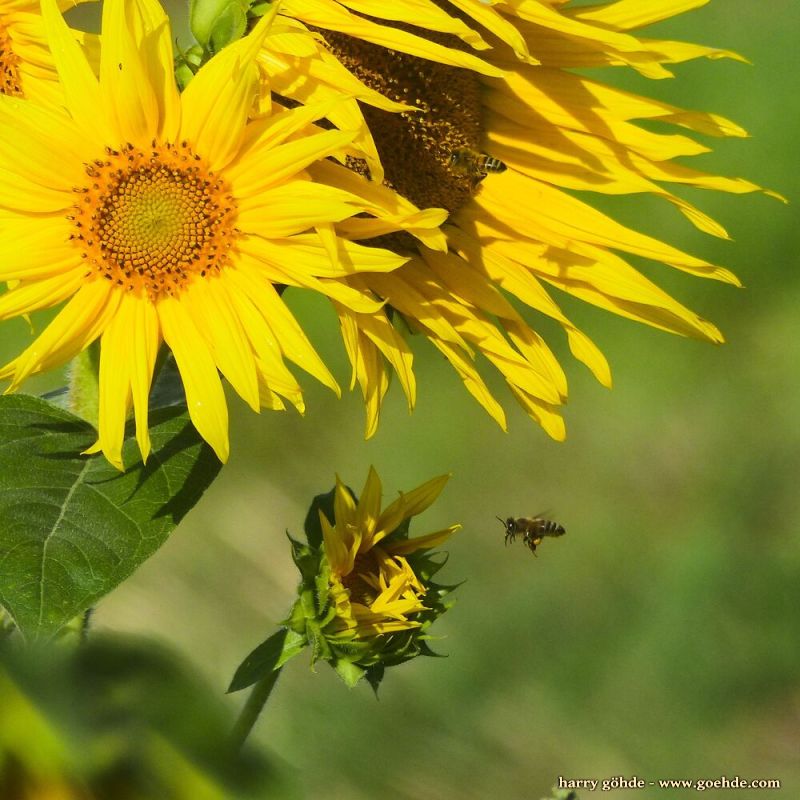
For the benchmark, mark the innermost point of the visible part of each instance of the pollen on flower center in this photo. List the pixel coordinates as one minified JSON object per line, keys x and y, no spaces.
{"x":416,"y":147}
{"x":151,"y":219}
{"x":9,"y":66}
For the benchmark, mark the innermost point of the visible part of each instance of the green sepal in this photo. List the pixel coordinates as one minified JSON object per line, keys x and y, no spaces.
{"x":309,"y":605}
{"x":296,"y":619}
{"x":187,"y":62}
{"x":320,"y":649}
{"x":258,"y":9}
{"x":325,"y":619}
{"x":322,"y":584}
{"x":349,"y":672}
{"x":270,"y":655}
{"x":305,"y":559}
{"x":426,"y":565}
{"x":441,"y":590}
{"x":217,"y":23}
{"x":374,"y":676}
{"x":354,"y":650}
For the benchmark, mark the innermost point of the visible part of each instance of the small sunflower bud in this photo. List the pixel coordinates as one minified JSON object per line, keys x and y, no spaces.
{"x":217,"y":23}
{"x":366,"y":597}
{"x":367,"y":592}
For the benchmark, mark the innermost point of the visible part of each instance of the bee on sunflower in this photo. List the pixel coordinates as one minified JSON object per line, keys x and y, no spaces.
{"x":498,"y":128}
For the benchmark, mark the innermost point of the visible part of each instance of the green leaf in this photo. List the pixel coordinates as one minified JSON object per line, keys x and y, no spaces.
{"x":120,"y":717}
{"x":312,"y":527}
{"x":270,"y":655}
{"x":72,"y":527}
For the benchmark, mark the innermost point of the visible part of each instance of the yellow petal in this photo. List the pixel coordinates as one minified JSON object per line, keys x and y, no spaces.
{"x":80,"y":86}
{"x":545,"y":415}
{"x":344,"y":507}
{"x":334,"y":17}
{"x":292,"y":340}
{"x":369,"y":507}
{"x":269,"y":358}
{"x":427,"y":542}
{"x":217,"y":102}
{"x":116,"y":359}
{"x":41,"y":294}
{"x":294,"y":207}
{"x":283,"y":161}
{"x":129,"y":98}
{"x":76,"y":326}
{"x":473,"y":382}
{"x":145,"y":340}
{"x":204,"y":396}
{"x":31,"y":133}
{"x":408,"y":505}
{"x":306,"y":253}
{"x":212,"y":310}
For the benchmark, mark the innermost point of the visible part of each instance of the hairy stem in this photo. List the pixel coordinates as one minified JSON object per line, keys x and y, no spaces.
{"x":83,"y":383}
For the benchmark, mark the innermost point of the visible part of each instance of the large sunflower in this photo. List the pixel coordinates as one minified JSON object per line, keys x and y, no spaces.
{"x":160,"y":216}
{"x":496,"y":77}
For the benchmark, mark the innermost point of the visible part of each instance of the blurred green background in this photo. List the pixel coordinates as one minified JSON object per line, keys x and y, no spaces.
{"x":660,"y":637}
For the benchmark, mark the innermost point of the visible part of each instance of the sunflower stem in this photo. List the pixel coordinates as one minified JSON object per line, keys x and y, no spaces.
{"x":252,"y":709}
{"x":86,"y":624}
{"x":84,"y":384}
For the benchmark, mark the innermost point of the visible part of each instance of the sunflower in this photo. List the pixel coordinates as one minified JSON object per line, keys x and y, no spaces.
{"x":501,"y":131}
{"x":367,"y":595}
{"x":164,"y":217}
{"x":27,"y":68}
{"x":373,"y":588}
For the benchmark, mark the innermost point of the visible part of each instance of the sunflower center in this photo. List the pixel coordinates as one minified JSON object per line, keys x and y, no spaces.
{"x":361,"y":591}
{"x":420,"y":150}
{"x":150,"y":220}
{"x":9,"y":66}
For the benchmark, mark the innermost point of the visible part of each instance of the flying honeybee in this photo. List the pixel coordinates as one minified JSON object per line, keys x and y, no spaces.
{"x":474,"y":164}
{"x":532,"y":530}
